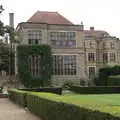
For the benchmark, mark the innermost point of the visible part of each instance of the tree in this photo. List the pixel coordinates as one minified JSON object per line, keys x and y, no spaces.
{"x":1,"y":29}
{"x":6,"y":52}
{"x":1,"y":9}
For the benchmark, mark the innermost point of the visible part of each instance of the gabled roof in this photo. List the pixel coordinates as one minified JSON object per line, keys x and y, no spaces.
{"x":49,"y":18}
{"x":96,"y":33}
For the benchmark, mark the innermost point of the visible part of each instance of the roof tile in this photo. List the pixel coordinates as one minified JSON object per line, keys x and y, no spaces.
{"x":49,"y":18}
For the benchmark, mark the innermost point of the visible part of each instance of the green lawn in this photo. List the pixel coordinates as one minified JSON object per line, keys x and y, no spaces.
{"x":109,"y":103}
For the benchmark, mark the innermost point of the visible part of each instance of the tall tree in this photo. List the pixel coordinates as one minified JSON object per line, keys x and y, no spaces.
{"x":1,"y":9}
{"x":2,"y":30}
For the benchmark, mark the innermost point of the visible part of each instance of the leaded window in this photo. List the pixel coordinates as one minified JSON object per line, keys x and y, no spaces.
{"x":112,"y":57}
{"x":91,"y":72}
{"x":64,"y":64}
{"x":63,"y":39}
{"x":34,"y":65}
{"x":105,"y":57}
{"x":34,"y":36}
{"x":91,"y":57}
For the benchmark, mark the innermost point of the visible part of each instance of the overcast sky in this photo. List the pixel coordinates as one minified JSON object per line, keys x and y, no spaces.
{"x":102,"y":14}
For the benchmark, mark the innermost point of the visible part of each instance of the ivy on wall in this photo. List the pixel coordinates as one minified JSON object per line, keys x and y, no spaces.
{"x":23,"y":52}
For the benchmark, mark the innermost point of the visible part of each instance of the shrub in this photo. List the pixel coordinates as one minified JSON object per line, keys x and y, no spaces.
{"x":1,"y":88}
{"x":114,"y":80}
{"x":82,"y":82}
{"x":103,"y":75}
{"x":67,"y":85}
{"x":95,"y":90}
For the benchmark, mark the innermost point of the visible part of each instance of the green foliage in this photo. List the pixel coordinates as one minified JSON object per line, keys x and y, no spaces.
{"x":4,"y":58}
{"x":1,"y":89}
{"x":50,"y":107}
{"x":103,"y":76}
{"x":12,"y":34}
{"x":1,"y":29}
{"x":24,"y":51}
{"x":17,"y":97}
{"x":44,"y":89}
{"x":67,"y":85}
{"x":95,"y":90}
{"x":82,"y":82}
{"x":114,"y":80}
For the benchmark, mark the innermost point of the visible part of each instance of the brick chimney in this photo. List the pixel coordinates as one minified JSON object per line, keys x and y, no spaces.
{"x":11,"y":20}
{"x":91,"y":28}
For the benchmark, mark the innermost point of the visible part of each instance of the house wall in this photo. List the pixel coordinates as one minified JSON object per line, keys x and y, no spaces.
{"x":78,"y":50}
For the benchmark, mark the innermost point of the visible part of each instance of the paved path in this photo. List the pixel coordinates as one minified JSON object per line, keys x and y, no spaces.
{"x":10,"y":111}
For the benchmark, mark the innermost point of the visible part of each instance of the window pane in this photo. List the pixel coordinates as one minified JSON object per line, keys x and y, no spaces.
{"x":64,"y":65}
{"x":34,"y":36}
{"x":63,"y":39}
{"x":91,"y":72}
{"x":34,"y":65}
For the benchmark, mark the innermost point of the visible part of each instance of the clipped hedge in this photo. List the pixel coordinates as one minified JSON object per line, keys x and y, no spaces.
{"x":18,"y":97}
{"x":53,"y":110}
{"x":51,"y":90}
{"x":105,"y":73}
{"x":114,"y":80}
{"x":96,"y":90}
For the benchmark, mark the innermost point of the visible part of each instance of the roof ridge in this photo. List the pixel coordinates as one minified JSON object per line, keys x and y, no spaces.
{"x":64,"y":17}
{"x":47,"y":11}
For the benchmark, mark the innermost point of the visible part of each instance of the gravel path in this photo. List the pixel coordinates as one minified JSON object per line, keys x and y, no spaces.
{"x":9,"y":111}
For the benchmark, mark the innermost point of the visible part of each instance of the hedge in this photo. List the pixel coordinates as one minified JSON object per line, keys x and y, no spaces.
{"x":51,"y":90}
{"x":114,"y":80}
{"x":1,"y":88}
{"x":96,"y":90}
{"x":45,"y":53}
{"x":54,"y":110}
{"x":18,"y":97}
{"x":103,"y":76}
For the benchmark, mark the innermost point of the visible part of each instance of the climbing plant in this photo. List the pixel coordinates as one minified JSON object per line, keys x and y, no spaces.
{"x":23,"y":53}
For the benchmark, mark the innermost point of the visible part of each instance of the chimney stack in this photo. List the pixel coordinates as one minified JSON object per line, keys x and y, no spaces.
{"x":11,"y":20}
{"x":92,"y":28}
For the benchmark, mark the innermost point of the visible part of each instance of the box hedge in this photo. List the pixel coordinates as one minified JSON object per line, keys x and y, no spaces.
{"x":114,"y":80}
{"x":54,"y":110}
{"x":44,"y":89}
{"x":18,"y":97}
{"x":96,"y":89}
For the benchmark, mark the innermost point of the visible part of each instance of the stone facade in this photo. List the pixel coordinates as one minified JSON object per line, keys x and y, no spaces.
{"x":78,"y":53}
{"x":102,"y":48}
{"x":78,"y":50}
